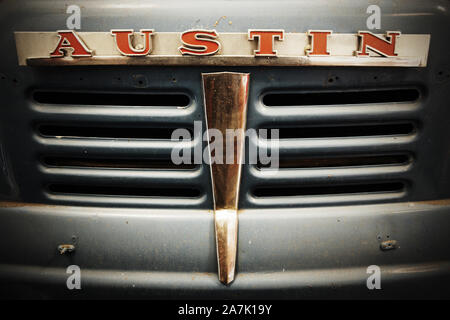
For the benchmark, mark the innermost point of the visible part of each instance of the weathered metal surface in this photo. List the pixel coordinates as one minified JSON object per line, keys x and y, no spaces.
{"x":225,"y":96}
{"x":388,"y":245}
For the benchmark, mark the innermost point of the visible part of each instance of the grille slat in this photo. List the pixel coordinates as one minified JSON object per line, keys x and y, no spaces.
{"x":101,"y":131}
{"x":117,"y":163}
{"x":340,"y":146}
{"x":123,"y":190}
{"x":325,"y":199}
{"x":128,"y":201}
{"x":329,"y":175}
{"x":344,"y":114}
{"x":117,"y":176}
{"x":331,"y":189}
{"x":157,"y":149}
{"x":343,"y":161}
{"x":331,"y":131}
{"x":117,"y":115}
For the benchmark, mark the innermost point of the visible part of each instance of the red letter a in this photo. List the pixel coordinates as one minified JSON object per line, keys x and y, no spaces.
{"x":68,"y":39}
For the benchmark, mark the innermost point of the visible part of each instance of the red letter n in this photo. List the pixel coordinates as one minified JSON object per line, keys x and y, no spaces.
{"x":384,"y":47}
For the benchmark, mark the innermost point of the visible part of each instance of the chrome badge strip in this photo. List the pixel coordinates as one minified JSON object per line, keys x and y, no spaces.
{"x":257,"y":47}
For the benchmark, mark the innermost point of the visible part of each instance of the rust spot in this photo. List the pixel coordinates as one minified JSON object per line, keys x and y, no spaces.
{"x":11,"y":204}
{"x":388,"y":245}
{"x":443,"y":202}
{"x":63,"y":248}
{"x":218,"y":20}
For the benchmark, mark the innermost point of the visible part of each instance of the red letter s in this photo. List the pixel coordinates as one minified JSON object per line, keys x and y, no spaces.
{"x":199,"y":42}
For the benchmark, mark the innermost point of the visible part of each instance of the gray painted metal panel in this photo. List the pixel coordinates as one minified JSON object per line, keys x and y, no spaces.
{"x":302,"y":252}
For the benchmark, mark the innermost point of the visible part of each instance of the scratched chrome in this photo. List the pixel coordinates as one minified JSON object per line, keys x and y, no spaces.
{"x":226,"y":95}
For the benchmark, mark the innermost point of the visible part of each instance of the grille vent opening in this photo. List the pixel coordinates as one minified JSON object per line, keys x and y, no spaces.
{"x":53,"y":130}
{"x":125,"y":191}
{"x":342,"y":161}
{"x":384,"y":129}
{"x":340,"y":97}
{"x":118,"y":163}
{"x":287,"y":191}
{"x":112,"y":98}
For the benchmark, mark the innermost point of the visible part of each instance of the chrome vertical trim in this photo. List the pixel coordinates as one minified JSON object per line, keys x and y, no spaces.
{"x":225,"y":100}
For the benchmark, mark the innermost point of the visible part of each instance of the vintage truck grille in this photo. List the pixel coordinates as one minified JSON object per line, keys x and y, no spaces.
{"x":101,"y":136}
{"x":100,"y":147}
{"x":338,"y":144}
